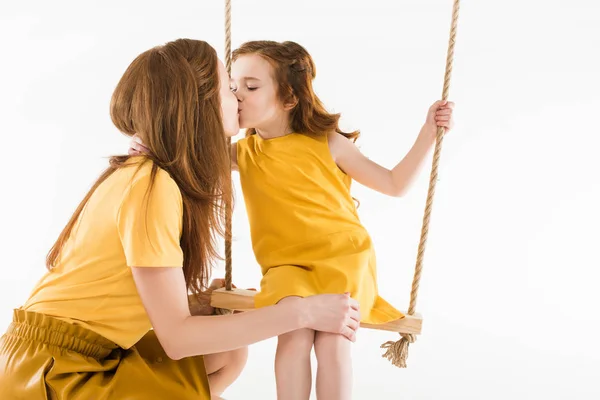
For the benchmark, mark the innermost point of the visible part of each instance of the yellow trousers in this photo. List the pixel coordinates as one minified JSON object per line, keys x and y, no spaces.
{"x":45,"y":358}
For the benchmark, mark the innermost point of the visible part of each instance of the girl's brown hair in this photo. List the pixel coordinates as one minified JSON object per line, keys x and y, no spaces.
{"x":169,"y":95}
{"x":295,"y":71}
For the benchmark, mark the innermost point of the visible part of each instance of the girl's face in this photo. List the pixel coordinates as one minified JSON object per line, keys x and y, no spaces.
{"x":229,"y":104}
{"x":253,"y":84}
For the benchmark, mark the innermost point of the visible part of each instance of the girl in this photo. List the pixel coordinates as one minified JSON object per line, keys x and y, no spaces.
{"x":296,"y":167}
{"x":139,"y":242}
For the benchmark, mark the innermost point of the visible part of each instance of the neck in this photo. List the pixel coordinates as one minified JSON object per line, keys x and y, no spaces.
{"x":275,"y":129}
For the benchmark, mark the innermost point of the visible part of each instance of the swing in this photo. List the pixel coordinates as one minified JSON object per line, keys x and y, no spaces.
{"x":229,"y":299}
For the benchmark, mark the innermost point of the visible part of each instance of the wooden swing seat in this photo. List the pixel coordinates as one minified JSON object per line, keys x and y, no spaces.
{"x":243,"y":300}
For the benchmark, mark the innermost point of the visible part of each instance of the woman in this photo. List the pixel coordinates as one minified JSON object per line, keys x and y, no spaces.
{"x":139,"y":242}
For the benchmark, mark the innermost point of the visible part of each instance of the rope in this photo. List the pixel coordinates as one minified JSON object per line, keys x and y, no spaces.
{"x":229,"y":199}
{"x":397,"y":352}
{"x":228,"y":203}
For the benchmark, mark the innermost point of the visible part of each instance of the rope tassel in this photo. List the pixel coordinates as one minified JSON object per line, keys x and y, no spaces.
{"x":397,"y":352}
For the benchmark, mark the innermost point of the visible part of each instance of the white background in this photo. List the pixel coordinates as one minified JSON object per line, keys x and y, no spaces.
{"x":509,"y":292}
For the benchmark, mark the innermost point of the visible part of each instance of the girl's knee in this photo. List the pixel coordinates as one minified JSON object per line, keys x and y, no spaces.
{"x":296,"y":342}
{"x":327,"y":344}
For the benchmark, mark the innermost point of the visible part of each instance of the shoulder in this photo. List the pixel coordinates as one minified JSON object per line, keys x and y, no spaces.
{"x":336,"y":138}
{"x":244,"y":148}
{"x":244,"y":144}
{"x":339,"y":145}
{"x":246,"y":140}
{"x":145,"y":176}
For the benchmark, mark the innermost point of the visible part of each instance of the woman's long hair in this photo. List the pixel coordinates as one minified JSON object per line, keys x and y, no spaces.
{"x":169,"y":95}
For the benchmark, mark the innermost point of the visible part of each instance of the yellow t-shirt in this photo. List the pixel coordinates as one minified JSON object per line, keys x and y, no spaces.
{"x":120,"y":227}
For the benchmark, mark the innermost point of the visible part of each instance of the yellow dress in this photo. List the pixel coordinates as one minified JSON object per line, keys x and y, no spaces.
{"x":306,"y":233}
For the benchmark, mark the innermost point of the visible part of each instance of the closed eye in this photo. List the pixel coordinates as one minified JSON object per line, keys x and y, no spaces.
{"x":251,"y":89}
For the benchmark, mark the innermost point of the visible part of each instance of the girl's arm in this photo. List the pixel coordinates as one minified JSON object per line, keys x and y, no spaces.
{"x":397,"y":181}
{"x":394,"y":182}
{"x":163,"y":294}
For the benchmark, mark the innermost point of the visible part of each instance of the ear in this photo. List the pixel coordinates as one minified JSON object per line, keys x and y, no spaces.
{"x":291,"y":103}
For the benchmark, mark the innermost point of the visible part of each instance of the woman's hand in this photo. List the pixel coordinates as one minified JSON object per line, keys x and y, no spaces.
{"x":334,"y":313}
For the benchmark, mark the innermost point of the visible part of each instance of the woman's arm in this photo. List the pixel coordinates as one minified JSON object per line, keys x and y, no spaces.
{"x":163,"y":294}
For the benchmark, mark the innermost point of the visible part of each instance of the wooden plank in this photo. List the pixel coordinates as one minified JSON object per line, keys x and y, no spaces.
{"x":409,"y":324}
{"x":236,"y":299}
{"x":243,"y":300}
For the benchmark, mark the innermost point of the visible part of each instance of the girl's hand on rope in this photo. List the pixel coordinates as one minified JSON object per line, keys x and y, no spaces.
{"x":440,"y":115}
{"x":136,"y":147}
{"x":333,"y":313}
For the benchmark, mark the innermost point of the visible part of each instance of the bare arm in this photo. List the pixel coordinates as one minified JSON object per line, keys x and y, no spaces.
{"x":164,"y":295}
{"x":394,"y":182}
{"x":398,"y":180}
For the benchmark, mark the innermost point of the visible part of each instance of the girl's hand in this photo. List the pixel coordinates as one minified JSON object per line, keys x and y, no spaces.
{"x":440,"y":115}
{"x":136,"y":147}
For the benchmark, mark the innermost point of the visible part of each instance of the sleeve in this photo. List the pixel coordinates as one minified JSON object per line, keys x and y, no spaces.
{"x":150,"y":223}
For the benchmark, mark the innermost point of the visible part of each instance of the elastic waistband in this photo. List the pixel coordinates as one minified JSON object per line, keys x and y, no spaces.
{"x":42,"y":328}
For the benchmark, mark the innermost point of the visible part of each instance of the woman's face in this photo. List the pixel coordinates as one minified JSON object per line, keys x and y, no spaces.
{"x":229,"y":104}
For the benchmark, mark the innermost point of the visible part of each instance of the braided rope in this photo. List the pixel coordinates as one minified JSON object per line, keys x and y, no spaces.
{"x":397,"y":352}
{"x":229,"y":199}
{"x":228,"y":211}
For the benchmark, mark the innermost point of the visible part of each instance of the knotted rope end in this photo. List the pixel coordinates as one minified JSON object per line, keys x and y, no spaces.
{"x":397,"y":352}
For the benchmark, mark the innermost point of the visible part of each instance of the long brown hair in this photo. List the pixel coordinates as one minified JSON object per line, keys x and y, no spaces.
{"x":169,"y":95}
{"x":295,"y":71}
